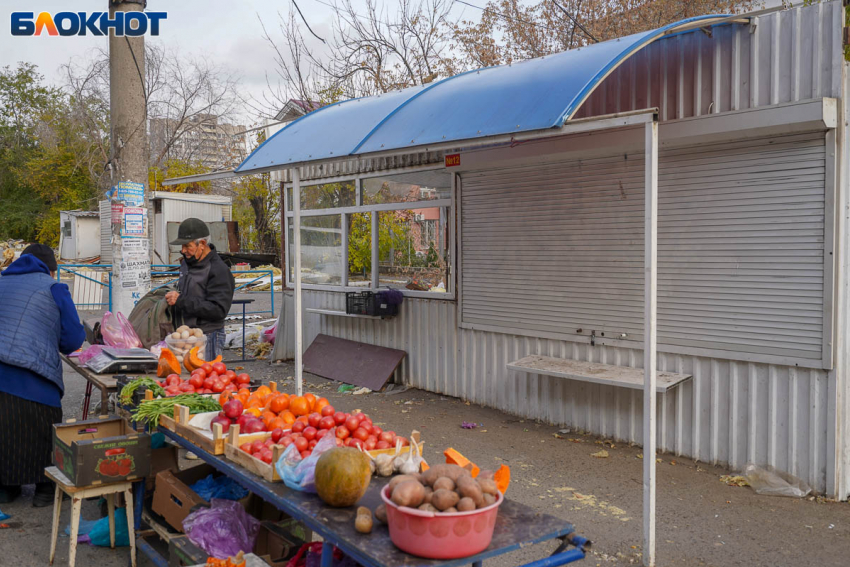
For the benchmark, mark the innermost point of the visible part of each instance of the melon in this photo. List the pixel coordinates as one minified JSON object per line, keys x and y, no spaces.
{"x":342,"y":476}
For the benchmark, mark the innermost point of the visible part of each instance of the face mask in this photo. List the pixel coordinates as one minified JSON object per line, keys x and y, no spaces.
{"x":191,"y":261}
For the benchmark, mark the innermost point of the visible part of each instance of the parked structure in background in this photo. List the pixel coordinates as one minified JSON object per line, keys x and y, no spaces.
{"x":168,"y":210}
{"x":79,"y":238}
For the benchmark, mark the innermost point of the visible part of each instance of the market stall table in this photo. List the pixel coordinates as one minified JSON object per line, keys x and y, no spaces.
{"x":517,"y":525}
{"x":106,"y":383}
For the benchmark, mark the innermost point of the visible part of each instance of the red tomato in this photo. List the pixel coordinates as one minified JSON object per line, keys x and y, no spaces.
{"x":230,"y":387}
{"x":213,"y":375}
{"x":312,"y":444}
{"x":367,"y":426}
{"x":404,"y":441}
{"x":219,"y":368}
{"x":207,"y":367}
{"x":376,"y":431}
{"x":208,"y":383}
{"x":200,"y":371}
{"x":232,"y":374}
{"x":225,"y":378}
{"x":172,"y":391}
{"x":218,"y":386}
{"x":206,"y":391}
{"x":314,"y":419}
{"x":305,"y":454}
{"x":339,"y":418}
{"x":243,"y":378}
{"x":173,"y":380}
{"x":328,"y":410}
{"x":269,"y":442}
{"x":277,"y":433}
{"x":267,"y":457}
{"x":310,"y":433}
{"x":247,"y":447}
{"x":301,"y":443}
{"x":371,"y":441}
{"x":298,"y":426}
{"x":359,"y":416}
{"x":342,"y":433}
{"x":186,"y":387}
{"x":287,"y":441}
{"x":321,"y":433}
{"x":327,"y":422}
{"x":352,"y":423}
{"x":360,"y":433}
{"x":388,"y":436}
{"x":382,"y":445}
{"x":196,"y":381}
{"x":356,"y":443}
{"x":257,"y":446}
{"x":339,"y":442}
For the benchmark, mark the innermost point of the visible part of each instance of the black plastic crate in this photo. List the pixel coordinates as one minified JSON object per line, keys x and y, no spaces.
{"x":368,"y":303}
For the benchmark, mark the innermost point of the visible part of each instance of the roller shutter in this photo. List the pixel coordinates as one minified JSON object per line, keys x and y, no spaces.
{"x":551,"y":249}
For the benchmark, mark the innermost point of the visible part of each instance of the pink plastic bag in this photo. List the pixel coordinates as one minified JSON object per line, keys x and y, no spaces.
{"x":89,"y":353}
{"x":118,"y":332}
{"x":269,"y":334}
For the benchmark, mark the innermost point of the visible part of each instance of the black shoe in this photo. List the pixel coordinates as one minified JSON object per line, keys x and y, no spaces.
{"x":44,"y":494}
{"x":9,"y":493}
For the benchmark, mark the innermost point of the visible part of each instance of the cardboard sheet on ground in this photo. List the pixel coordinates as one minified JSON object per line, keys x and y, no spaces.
{"x":351,"y":362}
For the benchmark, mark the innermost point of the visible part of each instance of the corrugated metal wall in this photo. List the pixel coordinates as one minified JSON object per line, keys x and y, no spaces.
{"x":731,"y":412}
{"x":105,"y":232}
{"x":787,"y":56}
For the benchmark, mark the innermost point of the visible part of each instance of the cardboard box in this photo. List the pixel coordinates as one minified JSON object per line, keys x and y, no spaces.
{"x":100,"y":450}
{"x":162,"y":459}
{"x":172,"y":497}
{"x":276,"y":545}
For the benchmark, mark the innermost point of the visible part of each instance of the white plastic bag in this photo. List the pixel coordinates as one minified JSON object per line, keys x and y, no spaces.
{"x":771,"y":482}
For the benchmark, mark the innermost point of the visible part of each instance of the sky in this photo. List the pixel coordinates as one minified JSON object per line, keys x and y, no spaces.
{"x":226,"y":32}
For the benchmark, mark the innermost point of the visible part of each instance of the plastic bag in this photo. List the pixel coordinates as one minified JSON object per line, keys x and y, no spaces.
{"x":298,"y":473}
{"x":4,"y":516}
{"x":310,"y":555}
{"x":269,"y":334}
{"x":99,"y":534}
{"x":221,"y":487}
{"x":157,"y":348}
{"x":223,"y":530}
{"x":118,"y":332}
{"x":771,"y":482}
{"x":89,"y":353}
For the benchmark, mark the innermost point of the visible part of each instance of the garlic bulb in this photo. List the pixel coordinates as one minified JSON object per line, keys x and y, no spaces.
{"x":413,"y":462}
{"x":398,"y":460}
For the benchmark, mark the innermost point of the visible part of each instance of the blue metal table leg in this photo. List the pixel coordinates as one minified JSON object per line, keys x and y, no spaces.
{"x":152,"y":554}
{"x":561,"y":557}
{"x":327,"y":554}
{"x":138,"y":503}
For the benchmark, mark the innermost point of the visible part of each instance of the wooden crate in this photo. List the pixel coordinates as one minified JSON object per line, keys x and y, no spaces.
{"x":414,"y":436}
{"x":179,"y":424}
{"x":234,"y":453}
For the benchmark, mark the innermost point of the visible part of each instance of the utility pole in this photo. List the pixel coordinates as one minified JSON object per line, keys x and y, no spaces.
{"x":131,"y":260}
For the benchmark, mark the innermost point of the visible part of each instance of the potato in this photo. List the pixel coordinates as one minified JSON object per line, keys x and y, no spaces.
{"x":381,"y":513}
{"x":451,"y":510}
{"x":442,"y":498}
{"x":398,"y":479}
{"x":363,"y":521}
{"x":452,"y":472}
{"x":444,"y":482}
{"x":428,"y":492}
{"x":182,"y":328}
{"x":488,"y":486}
{"x":489,"y":499}
{"x":184,"y":335}
{"x":198,"y":333}
{"x":485,"y":474}
{"x":179,"y":358}
{"x":468,"y":487}
{"x":409,"y":493}
{"x":466,"y":504}
{"x":425,"y":507}
{"x":176,"y":335}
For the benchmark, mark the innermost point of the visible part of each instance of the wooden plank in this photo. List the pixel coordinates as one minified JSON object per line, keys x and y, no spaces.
{"x":351,"y":362}
{"x":594,"y":372}
{"x":232,"y":451}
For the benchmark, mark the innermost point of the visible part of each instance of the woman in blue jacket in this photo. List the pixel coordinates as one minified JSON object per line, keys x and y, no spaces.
{"x":38,"y":320}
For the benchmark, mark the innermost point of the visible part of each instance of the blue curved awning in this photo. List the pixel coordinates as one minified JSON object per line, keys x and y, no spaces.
{"x":536,"y":94}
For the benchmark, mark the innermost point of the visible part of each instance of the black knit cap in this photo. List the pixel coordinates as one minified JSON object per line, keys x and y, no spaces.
{"x":43,"y":253}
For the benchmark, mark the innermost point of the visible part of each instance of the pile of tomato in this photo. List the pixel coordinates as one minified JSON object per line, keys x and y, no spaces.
{"x":351,"y":430}
{"x":208,"y":379}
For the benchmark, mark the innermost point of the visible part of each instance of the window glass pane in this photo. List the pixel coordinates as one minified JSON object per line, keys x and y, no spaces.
{"x":407,"y":187}
{"x":414,"y":249}
{"x":321,"y":250}
{"x":360,"y":249}
{"x":325,"y":196}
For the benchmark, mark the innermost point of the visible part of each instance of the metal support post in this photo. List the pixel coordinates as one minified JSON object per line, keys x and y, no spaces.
{"x":650,"y":330}
{"x":296,"y":240}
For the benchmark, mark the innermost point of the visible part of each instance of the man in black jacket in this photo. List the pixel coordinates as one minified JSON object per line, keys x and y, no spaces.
{"x":205,"y":287}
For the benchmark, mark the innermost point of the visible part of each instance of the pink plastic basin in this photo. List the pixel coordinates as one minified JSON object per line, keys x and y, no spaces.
{"x":441,"y":536}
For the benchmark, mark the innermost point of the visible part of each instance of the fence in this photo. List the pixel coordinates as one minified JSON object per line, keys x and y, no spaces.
{"x":106,"y":269}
